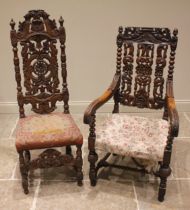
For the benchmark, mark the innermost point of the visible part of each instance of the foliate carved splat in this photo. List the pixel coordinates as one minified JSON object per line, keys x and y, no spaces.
{"x":159,"y":79}
{"x":126,"y":85}
{"x":38,"y":35}
{"x":143,"y":77}
{"x":40,"y":67}
{"x":149,"y":48}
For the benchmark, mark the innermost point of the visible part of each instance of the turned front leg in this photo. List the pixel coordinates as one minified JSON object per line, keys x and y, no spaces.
{"x":92,"y":157}
{"x":165,"y":169}
{"x":79,"y":163}
{"x":24,"y":172}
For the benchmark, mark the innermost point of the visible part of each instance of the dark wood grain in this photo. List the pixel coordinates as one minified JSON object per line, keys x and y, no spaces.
{"x":37,"y":37}
{"x":141,"y":80}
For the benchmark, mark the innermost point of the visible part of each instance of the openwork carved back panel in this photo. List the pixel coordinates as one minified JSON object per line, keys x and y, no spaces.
{"x":38,"y":36}
{"x":143,"y":55}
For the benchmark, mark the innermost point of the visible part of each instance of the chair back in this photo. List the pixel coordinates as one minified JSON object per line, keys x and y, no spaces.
{"x":142,"y":56}
{"x":38,"y":81}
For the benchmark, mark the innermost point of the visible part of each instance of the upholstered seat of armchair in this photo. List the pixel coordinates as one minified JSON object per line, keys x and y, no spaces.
{"x":46,"y":131}
{"x":133,"y":136}
{"x":141,"y":81}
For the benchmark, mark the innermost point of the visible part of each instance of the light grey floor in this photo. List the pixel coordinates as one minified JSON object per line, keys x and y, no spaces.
{"x":56,"y":189}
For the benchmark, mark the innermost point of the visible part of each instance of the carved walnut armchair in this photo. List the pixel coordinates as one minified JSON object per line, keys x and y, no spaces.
{"x":38,"y":84}
{"x":139,"y":81}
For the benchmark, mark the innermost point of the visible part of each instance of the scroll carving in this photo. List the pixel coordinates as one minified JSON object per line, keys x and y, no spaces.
{"x":51,"y":158}
{"x":159,"y":79}
{"x":153,"y":35}
{"x":146,"y":46}
{"x":143,"y":78}
{"x":126,"y":85}
{"x":38,"y":35}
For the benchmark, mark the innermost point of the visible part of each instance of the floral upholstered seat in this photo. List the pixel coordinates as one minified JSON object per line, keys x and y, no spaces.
{"x":133,"y":136}
{"x":45,"y":131}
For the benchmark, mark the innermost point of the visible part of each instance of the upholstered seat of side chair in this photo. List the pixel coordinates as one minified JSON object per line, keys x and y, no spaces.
{"x":133,"y":136}
{"x":45,"y":131}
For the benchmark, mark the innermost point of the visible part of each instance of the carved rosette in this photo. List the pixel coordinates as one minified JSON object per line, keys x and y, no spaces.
{"x":38,"y":36}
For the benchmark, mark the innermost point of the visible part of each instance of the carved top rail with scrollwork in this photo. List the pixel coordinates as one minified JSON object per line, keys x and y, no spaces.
{"x":145,"y":34}
{"x":38,"y":36}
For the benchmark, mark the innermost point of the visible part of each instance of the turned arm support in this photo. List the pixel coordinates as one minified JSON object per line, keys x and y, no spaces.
{"x":97,"y":103}
{"x":172,"y":111}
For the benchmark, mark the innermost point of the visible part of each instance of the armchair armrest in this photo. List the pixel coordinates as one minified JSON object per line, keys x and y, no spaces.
{"x":172,"y":111}
{"x":97,"y":103}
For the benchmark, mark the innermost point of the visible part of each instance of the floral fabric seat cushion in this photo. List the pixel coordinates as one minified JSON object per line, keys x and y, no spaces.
{"x":133,"y":136}
{"x":49,"y":130}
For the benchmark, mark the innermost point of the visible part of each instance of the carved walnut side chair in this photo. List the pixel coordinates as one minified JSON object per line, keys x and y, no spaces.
{"x":37,"y":37}
{"x":139,"y":81}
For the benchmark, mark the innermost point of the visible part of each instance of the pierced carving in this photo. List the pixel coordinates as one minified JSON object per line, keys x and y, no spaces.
{"x":126,"y":84}
{"x":47,"y":159}
{"x":51,"y":158}
{"x":147,"y":42}
{"x":143,"y":77}
{"x":40,"y":67}
{"x":159,"y":79}
{"x":37,"y":22}
{"x":153,"y":35}
{"x":38,"y":36}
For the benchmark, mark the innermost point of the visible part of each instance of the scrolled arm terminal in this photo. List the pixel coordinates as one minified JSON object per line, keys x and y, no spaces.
{"x":97,"y":103}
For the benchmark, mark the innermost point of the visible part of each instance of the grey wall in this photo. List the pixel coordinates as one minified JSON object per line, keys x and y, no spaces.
{"x":91,"y":27}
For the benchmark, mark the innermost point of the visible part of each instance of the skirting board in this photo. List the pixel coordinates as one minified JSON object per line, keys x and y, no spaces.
{"x":80,"y":106}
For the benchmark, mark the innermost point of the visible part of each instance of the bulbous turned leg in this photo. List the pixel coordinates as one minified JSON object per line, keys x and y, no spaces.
{"x":79,"y":163}
{"x":163,"y":173}
{"x":165,"y":169}
{"x":68,"y":150}
{"x":24,"y":172}
{"x":92,"y":158}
